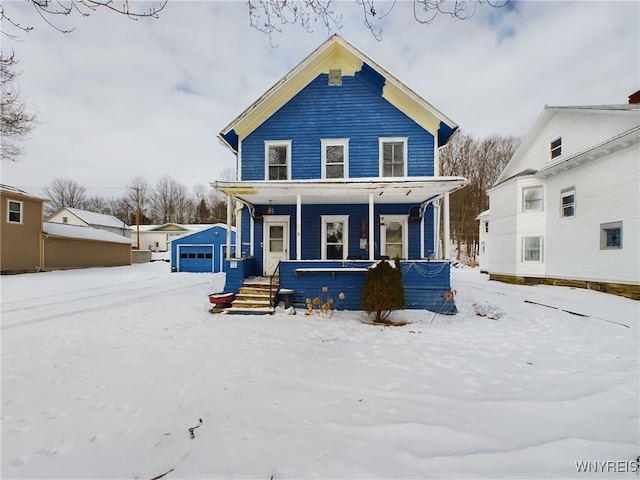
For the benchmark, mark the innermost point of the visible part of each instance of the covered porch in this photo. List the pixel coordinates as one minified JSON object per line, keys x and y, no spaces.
{"x":319,"y":233}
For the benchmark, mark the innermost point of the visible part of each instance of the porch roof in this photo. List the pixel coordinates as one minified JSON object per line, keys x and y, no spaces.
{"x":414,"y":190}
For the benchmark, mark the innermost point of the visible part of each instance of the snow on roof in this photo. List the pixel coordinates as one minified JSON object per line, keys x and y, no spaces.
{"x":83,"y":233}
{"x":22,"y":193}
{"x":93,"y":218}
{"x":196,"y":227}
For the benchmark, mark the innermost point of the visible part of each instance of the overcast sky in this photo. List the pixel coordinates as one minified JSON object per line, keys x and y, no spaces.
{"x":119,"y":98}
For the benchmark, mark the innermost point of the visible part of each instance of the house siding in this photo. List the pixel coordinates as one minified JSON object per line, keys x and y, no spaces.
{"x":63,"y":253}
{"x":606,"y":191}
{"x":20,"y":250}
{"x":321,"y":111}
{"x":311,"y":227}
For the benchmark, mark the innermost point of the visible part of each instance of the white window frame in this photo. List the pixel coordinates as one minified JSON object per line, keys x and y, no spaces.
{"x":564,"y":194}
{"x":604,"y":228}
{"x":345,"y":234}
{"x":277,"y":143}
{"x":10,"y":211}
{"x":524,"y":202}
{"x":384,"y":140}
{"x":335,"y":142}
{"x":555,"y":151}
{"x":404,"y":221}
{"x":540,"y":248}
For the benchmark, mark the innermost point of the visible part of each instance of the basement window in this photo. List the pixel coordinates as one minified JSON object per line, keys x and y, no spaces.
{"x":611,"y":236}
{"x":335,"y":76}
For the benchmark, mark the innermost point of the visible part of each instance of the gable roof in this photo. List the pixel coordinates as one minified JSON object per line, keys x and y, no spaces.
{"x":337,"y":53}
{"x":520,"y":165}
{"x":93,"y":218}
{"x":80,"y":232}
{"x":13,"y":191}
{"x":218,"y":226}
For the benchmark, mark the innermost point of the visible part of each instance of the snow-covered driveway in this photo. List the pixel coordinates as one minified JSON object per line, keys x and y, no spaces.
{"x":104,"y":371}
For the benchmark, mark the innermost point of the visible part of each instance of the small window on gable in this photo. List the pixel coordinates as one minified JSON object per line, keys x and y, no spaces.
{"x":335,"y":156}
{"x":335,"y":76}
{"x":14,"y":211}
{"x":532,"y":200}
{"x":65,"y":219}
{"x":568,"y":203}
{"x":278,"y":159}
{"x":611,"y":236}
{"x":393,"y":157}
{"x":556,"y":148}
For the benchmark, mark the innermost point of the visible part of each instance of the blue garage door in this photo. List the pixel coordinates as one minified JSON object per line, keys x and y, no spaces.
{"x":196,"y":258}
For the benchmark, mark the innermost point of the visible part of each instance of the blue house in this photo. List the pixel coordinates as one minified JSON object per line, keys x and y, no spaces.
{"x":203,"y":250}
{"x":338,"y":167}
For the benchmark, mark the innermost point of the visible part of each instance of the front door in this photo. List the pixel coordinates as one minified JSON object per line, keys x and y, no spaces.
{"x":276,"y":244}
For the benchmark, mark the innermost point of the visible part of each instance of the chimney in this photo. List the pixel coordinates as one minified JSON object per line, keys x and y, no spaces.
{"x":634,"y":97}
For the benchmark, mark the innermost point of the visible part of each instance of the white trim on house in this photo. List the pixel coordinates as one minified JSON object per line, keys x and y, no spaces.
{"x":382,"y":141}
{"x":335,"y":142}
{"x":344,"y":219}
{"x":277,"y":143}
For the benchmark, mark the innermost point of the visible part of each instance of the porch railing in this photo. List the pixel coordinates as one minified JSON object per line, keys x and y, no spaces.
{"x":272,"y":296}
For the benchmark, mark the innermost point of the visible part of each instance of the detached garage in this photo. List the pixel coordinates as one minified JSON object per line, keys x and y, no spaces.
{"x":202,"y":251}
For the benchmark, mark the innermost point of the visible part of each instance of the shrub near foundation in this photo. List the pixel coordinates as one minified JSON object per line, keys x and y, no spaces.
{"x":383,"y":290}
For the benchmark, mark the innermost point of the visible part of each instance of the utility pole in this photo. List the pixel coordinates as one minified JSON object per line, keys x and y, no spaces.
{"x":137,"y":189}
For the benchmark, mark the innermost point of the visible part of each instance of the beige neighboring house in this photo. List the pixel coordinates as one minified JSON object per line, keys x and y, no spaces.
{"x":157,"y":238}
{"x":28,"y":244}
{"x":20,"y":233}
{"x":75,"y":216}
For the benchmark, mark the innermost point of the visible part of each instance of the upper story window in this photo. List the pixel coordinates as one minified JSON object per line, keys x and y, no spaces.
{"x":278,"y":160}
{"x":532,"y":199}
{"x":335,"y":158}
{"x":335,"y":244}
{"x":486,"y":227}
{"x":568,"y":203}
{"x":65,"y":219}
{"x":393,"y":157}
{"x":14,"y":211}
{"x":556,"y":148}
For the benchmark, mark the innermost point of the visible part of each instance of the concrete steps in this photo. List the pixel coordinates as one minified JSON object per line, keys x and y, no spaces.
{"x":254,"y":298}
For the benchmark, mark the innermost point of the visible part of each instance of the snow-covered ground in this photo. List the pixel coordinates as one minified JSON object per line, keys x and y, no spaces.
{"x":105,"y":371}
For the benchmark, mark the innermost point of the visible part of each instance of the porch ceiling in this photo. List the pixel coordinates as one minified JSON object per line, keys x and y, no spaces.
{"x":414,"y":190}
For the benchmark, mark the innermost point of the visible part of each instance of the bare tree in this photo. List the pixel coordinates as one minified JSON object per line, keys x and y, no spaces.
{"x":170,"y":202}
{"x":480,"y":161}
{"x":17,"y":119}
{"x":271,"y":16}
{"x":64,"y":192}
{"x":50,"y":10}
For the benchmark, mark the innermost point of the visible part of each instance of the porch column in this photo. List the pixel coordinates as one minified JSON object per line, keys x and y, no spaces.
{"x":446,"y":252}
{"x":436,"y":230}
{"x":228,"y":226}
{"x":239,"y":207}
{"x":298,"y":227}
{"x":372,"y":235}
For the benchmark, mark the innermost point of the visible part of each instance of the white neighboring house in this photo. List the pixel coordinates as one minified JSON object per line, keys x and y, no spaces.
{"x":84,"y":218}
{"x":483,"y":257}
{"x":157,"y":238}
{"x":566,"y":208}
